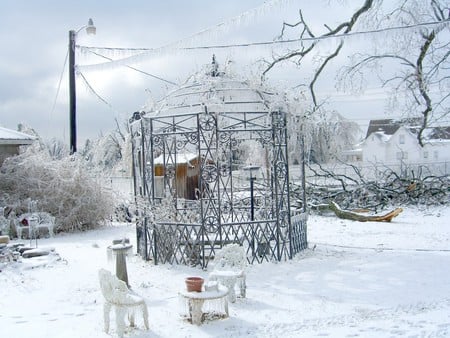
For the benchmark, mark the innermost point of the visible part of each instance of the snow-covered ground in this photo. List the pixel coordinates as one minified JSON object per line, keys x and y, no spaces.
{"x":357,"y":279}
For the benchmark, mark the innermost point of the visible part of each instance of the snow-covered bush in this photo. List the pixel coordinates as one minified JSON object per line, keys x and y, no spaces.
{"x":110,"y":153}
{"x":62,"y":187}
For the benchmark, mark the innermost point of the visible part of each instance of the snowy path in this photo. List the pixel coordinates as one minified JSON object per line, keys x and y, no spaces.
{"x":361,"y":280}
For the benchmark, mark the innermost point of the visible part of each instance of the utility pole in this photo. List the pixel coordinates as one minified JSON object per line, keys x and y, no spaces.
{"x":72,"y":94}
{"x":90,"y":30}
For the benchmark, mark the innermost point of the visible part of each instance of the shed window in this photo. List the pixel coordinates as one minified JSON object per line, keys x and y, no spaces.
{"x":401,"y":139}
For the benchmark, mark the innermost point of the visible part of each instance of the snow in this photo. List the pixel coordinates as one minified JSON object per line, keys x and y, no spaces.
{"x":180,"y":158}
{"x":9,"y":136}
{"x":357,"y":279}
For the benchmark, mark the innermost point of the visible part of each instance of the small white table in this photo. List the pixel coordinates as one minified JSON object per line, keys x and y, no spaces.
{"x":195,"y":302}
{"x":229,"y":279}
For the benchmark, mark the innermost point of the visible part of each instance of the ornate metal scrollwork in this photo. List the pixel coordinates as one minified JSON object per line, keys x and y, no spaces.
{"x":224,"y":138}
{"x":207,"y":122}
{"x":209,"y":173}
{"x":225,"y":170}
{"x":281,"y":169}
{"x":211,"y":224}
{"x":157,"y":140}
{"x":227,"y":140}
{"x":170,"y":170}
{"x":180,"y":144}
{"x":191,"y":137}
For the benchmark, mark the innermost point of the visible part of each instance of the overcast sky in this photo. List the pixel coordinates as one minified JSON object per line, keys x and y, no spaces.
{"x":34,"y":43}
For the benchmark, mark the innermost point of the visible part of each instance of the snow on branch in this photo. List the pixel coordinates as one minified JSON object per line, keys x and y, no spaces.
{"x":308,"y":48}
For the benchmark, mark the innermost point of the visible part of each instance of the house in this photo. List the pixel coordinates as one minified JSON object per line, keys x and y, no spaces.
{"x":391,"y":141}
{"x":11,"y":141}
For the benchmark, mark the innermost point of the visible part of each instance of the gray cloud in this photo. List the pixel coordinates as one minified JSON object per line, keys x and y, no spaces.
{"x":34,"y":40}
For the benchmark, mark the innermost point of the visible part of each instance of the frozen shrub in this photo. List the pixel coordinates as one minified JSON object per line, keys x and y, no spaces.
{"x":62,"y":187}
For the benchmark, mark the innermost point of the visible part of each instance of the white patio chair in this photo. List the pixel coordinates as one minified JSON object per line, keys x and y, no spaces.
{"x":229,"y":269}
{"x":117,"y":294}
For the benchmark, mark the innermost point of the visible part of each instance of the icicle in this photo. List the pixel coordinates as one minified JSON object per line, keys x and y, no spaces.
{"x":207,"y":34}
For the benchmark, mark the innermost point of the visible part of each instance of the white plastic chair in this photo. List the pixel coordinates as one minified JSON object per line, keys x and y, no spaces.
{"x":117,"y":294}
{"x":229,"y":269}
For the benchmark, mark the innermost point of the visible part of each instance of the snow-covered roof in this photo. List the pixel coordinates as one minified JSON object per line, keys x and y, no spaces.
{"x":9,"y":136}
{"x":384,"y":129}
{"x":389,"y":126}
{"x":180,"y":158}
{"x":434,"y":134}
{"x":218,"y":94}
{"x":382,"y":136}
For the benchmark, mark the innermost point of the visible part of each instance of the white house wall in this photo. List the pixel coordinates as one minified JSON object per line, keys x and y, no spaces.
{"x":403,"y":146}
{"x":402,"y":149}
{"x":374,"y":149}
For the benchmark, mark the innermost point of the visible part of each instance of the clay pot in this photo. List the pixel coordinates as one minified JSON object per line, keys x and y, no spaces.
{"x":194,"y":284}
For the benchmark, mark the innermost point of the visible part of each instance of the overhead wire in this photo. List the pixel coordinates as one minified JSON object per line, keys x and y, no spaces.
{"x":95,"y":50}
{"x":59,"y":83}
{"x":265,"y":7}
{"x":136,"y":69}
{"x":261,"y":43}
{"x":86,"y":82}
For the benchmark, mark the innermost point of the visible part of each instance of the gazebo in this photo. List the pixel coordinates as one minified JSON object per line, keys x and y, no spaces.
{"x":210,"y":169}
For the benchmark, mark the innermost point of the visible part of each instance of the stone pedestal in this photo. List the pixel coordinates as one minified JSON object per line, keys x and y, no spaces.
{"x":120,"y":251}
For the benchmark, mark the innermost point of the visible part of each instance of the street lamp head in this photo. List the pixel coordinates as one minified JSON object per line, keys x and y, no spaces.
{"x":90,"y":28}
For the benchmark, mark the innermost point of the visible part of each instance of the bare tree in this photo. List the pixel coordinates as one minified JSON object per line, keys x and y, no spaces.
{"x":413,"y":63}
{"x":324,"y":136}
{"x":309,"y":42}
{"x":409,"y":53}
{"x":322,"y":132}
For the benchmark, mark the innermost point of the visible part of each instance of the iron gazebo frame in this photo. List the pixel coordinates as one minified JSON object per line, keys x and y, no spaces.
{"x":174,"y":228}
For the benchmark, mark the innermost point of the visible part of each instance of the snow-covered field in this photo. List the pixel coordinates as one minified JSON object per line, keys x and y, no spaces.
{"x":356,"y":280}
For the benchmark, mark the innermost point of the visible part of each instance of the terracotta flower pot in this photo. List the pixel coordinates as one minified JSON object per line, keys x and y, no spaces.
{"x":194,"y":284}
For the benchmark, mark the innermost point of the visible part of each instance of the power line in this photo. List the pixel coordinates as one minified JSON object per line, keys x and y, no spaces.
{"x":59,"y":84}
{"x":86,"y":82}
{"x":264,"y":9}
{"x":135,"y":69}
{"x":265,"y":43}
{"x":94,"y":50}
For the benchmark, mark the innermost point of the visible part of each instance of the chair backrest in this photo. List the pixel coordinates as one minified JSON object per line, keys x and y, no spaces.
{"x":231,"y":257}
{"x":113,"y":289}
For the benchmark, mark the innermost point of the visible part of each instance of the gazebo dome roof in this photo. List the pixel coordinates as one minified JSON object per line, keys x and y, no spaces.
{"x":216,"y":92}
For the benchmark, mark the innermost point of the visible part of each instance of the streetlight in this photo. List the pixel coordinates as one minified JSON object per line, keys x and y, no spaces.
{"x":252,"y":170}
{"x":90,"y":30}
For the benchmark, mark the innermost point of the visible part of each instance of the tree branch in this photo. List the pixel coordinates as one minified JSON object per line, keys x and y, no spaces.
{"x":346,"y":27}
{"x":422,"y":84}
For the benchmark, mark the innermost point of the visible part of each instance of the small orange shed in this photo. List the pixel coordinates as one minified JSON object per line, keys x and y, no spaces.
{"x":184,"y":178}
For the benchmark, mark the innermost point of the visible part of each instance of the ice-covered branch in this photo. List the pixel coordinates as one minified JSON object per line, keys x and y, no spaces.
{"x":306,"y":50}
